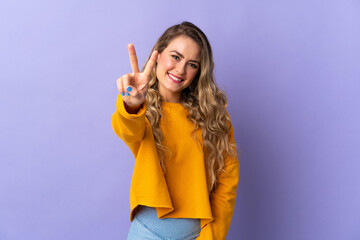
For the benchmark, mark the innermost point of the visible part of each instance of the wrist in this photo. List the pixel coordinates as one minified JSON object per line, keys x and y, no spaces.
{"x":132,"y":109}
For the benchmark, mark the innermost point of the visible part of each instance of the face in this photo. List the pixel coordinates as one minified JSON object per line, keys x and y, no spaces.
{"x":177,"y":67}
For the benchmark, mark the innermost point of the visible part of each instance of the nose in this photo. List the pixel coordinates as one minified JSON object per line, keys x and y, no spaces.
{"x":181,"y":68}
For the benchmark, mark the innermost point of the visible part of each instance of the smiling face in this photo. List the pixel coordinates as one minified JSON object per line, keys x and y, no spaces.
{"x":177,"y":67}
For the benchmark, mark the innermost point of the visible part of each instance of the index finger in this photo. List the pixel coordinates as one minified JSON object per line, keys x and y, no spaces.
{"x":133,"y":58}
{"x":151,"y":63}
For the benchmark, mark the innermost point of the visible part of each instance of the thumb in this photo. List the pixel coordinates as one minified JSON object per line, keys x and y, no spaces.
{"x":142,"y":86}
{"x":130,"y":91}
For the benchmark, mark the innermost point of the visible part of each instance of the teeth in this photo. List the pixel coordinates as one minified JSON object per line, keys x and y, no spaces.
{"x":175,"y":78}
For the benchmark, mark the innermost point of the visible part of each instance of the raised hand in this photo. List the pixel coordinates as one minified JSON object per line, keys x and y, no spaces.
{"x":133,"y":86}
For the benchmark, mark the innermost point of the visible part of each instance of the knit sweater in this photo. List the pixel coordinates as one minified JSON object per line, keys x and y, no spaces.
{"x":182,"y":191}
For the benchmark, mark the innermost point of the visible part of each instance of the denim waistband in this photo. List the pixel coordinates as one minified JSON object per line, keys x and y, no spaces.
{"x":168,"y":228}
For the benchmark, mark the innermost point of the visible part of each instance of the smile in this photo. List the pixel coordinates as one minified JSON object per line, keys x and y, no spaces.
{"x":175,"y":78}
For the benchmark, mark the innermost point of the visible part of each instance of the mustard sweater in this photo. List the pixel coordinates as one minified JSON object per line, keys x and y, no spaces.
{"x":182,"y":191}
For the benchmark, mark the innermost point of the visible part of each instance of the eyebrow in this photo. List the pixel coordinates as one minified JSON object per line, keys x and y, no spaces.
{"x":183,"y":56}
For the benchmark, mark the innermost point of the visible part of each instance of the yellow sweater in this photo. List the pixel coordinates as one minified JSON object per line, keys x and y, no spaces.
{"x":182,"y":191}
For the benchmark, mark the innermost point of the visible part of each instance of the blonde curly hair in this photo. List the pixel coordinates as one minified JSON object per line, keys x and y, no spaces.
{"x":205,"y":102}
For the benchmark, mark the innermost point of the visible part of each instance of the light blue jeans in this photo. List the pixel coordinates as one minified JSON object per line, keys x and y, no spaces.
{"x":146,"y":225}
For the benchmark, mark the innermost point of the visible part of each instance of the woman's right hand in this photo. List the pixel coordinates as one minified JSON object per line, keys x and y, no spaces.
{"x":133,"y":86}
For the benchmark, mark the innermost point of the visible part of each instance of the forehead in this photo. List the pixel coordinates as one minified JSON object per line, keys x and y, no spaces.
{"x":186,"y":46}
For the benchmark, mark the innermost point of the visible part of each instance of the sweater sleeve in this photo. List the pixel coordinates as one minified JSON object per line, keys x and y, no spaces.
{"x":129,"y":127}
{"x":223,"y":199}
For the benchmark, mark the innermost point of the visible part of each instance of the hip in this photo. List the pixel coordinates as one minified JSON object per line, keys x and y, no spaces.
{"x":146,"y":225}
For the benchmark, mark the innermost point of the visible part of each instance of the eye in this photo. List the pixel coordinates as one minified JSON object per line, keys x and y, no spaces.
{"x":192,"y":65}
{"x":175,"y":57}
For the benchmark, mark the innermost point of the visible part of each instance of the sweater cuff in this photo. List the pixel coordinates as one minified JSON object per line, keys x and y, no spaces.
{"x":120,"y":105}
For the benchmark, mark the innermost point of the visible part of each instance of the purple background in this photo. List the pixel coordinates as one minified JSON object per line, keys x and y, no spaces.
{"x":290,"y":69}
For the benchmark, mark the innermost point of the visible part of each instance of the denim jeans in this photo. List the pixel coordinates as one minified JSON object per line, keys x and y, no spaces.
{"x":146,"y":225}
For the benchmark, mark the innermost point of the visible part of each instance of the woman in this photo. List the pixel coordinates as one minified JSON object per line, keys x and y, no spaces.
{"x":173,"y":118}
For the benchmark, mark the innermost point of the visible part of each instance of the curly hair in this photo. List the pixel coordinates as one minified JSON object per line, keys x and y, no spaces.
{"x":205,"y":102}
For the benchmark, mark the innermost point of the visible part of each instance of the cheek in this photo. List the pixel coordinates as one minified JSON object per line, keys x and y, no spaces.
{"x":163,"y":66}
{"x":192,"y":74}
{"x":166,"y":63}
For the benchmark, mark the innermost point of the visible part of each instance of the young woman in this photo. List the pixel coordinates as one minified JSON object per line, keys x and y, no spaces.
{"x":173,"y":118}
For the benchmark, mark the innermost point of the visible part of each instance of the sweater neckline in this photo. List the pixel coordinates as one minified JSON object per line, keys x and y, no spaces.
{"x":171,"y":104}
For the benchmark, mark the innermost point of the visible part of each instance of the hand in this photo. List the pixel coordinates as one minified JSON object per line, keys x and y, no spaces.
{"x":133,"y":86}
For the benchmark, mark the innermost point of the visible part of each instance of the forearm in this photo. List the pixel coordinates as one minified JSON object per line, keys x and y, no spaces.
{"x":223,"y":201}
{"x":129,"y":122}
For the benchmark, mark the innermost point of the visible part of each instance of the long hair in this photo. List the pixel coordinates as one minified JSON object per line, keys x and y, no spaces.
{"x":205,"y":102}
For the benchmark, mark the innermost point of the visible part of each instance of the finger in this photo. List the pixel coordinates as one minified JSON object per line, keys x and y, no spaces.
{"x":133,"y":58}
{"x":119,"y":84}
{"x":126,"y":82}
{"x":151,"y":63}
{"x":143,"y":86}
{"x":130,"y":90}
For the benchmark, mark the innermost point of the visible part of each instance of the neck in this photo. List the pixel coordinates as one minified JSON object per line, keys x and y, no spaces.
{"x":169,"y":97}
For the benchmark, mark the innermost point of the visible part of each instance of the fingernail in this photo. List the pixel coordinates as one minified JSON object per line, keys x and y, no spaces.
{"x":122,"y":94}
{"x":129,"y":89}
{"x":127,"y":94}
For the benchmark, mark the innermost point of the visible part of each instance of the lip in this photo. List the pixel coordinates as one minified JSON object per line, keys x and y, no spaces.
{"x":177,"y":82}
{"x":176,"y":76}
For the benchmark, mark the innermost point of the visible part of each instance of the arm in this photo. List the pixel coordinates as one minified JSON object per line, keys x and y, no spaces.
{"x":129,"y":127}
{"x":128,"y":121}
{"x":223,"y":199}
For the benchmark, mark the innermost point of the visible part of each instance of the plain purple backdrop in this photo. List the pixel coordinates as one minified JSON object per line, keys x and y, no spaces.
{"x":291,"y":72}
